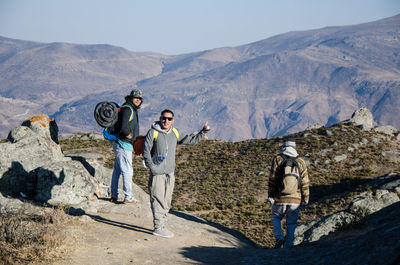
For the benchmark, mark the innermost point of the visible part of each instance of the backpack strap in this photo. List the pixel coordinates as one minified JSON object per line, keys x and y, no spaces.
{"x":155,"y":135}
{"x":124,"y":106}
{"x":175,"y":130}
{"x":283,"y":156}
{"x":296,"y":164}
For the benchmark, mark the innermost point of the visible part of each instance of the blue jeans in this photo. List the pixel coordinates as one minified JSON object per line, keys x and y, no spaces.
{"x":122,"y":165}
{"x":291,"y":211}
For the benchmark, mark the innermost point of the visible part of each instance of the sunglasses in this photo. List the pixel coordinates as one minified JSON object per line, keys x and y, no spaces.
{"x":167,"y":118}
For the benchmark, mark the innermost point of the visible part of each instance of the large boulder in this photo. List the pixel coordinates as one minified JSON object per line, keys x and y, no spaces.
{"x":359,"y":208}
{"x":370,"y":202}
{"x":386,"y":129}
{"x":63,"y":182}
{"x":33,"y":165}
{"x":314,"y":230}
{"x":363,"y":118}
{"x":103,"y":175}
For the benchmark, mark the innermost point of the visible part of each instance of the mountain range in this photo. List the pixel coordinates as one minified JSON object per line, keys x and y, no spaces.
{"x":272,"y":87}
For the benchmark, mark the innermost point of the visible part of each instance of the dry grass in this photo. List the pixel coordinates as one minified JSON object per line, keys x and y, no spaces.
{"x":32,"y":239}
{"x":226,"y":182}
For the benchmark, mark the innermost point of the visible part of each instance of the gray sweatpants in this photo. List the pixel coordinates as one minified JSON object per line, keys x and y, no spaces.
{"x":160,"y":189}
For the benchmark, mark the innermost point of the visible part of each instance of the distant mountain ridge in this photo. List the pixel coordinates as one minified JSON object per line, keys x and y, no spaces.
{"x":275,"y":86}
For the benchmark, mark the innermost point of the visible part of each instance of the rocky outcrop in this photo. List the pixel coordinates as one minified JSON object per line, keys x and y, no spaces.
{"x":375,"y":242}
{"x":391,"y":155}
{"x":386,"y":129}
{"x":80,"y":136}
{"x":363,"y":118}
{"x":102,"y":174}
{"x":32,"y":165}
{"x":360,"y":207}
{"x":315,"y":126}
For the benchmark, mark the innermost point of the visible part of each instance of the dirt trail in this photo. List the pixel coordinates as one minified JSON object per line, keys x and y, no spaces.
{"x":121,"y":234}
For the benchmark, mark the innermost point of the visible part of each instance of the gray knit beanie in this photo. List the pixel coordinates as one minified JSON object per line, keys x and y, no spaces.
{"x":136,"y":94}
{"x":290,"y":141}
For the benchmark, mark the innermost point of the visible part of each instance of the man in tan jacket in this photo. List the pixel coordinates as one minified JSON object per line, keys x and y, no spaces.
{"x":288,"y":188}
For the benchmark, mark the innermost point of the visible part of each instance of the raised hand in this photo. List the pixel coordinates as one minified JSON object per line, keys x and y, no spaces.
{"x":206,"y":127}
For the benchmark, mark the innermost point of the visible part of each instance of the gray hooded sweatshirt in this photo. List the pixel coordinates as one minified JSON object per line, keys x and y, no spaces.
{"x":159,"y":154}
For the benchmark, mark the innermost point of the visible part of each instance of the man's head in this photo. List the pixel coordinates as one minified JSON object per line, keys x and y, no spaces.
{"x":289,"y":141}
{"x":166,"y":119}
{"x":135,"y":97}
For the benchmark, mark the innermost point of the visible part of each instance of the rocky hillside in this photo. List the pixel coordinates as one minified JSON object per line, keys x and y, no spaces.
{"x":226,"y":182}
{"x":353,"y":166}
{"x":272,"y":87}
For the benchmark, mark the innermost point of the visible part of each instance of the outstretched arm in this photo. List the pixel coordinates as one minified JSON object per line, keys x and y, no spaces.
{"x":193,"y":139}
{"x":206,"y":127}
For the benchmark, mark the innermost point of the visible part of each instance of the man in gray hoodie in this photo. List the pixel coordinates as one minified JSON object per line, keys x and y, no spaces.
{"x":159,"y":155}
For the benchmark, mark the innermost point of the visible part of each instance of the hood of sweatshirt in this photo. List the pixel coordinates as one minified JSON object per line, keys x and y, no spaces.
{"x":157,"y":126}
{"x":289,"y":151}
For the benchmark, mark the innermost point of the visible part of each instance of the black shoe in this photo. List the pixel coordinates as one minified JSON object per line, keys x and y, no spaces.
{"x":279,"y":243}
{"x":114,"y":199}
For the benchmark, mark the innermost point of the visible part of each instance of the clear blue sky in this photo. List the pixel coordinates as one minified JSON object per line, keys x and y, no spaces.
{"x":178,"y":26}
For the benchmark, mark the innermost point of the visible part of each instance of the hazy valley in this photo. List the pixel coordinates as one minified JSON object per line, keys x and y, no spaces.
{"x":275,"y":86}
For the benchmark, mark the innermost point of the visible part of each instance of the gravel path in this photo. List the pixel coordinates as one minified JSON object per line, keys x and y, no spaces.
{"x":121,"y":234}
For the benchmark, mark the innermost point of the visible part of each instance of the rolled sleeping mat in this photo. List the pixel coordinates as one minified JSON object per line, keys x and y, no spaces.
{"x":106,"y":114}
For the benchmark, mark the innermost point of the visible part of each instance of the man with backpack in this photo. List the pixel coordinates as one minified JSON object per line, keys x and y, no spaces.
{"x":159,"y":156}
{"x":288,"y":188}
{"x":128,"y":128}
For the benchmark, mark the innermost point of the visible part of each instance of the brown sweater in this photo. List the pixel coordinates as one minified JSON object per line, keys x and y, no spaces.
{"x":301,"y":194}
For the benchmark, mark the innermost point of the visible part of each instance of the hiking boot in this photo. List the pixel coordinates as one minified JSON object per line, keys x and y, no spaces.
{"x":132,"y":200}
{"x":279,"y":243}
{"x":163,"y":232}
{"x":114,"y":199}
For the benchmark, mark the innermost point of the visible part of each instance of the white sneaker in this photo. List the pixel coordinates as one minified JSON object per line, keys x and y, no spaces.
{"x":163,"y":232}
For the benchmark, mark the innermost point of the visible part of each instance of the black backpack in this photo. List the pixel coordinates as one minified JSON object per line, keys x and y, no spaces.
{"x":288,"y":175}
